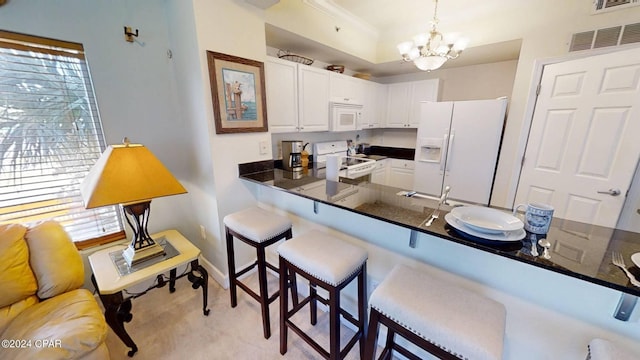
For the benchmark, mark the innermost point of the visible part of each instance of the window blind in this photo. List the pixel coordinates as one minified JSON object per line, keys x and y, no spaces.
{"x":50,"y":136}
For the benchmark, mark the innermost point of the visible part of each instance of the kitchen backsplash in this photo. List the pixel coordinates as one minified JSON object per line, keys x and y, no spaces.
{"x":403,"y":138}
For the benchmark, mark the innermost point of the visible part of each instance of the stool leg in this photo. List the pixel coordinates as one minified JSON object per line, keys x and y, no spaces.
{"x":334,"y":323}
{"x":388,"y":346}
{"x":362,"y":306}
{"x":284,"y":306}
{"x":292,"y":276}
{"x":313,"y":304}
{"x":232,"y":268}
{"x":372,"y":335}
{"x":293,"y":284}
{"x":264,"y":295}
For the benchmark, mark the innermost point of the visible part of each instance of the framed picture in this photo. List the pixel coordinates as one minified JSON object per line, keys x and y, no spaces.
{"x":238,"y":93}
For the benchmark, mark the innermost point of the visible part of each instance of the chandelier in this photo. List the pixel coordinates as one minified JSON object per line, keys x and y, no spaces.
{"x":431,"y":50}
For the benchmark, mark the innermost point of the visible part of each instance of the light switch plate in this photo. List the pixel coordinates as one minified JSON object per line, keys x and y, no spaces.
{"x":263,"y":147}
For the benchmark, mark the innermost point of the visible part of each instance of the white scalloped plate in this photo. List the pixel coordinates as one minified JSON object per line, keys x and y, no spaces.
{"x":487,"y":220}
{"x":636,"y":259}
{"x":506,"y":236}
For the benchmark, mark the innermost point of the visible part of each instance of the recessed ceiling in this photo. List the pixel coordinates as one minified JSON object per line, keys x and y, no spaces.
{"x":285,"y":40}
{"x":405,"y":16}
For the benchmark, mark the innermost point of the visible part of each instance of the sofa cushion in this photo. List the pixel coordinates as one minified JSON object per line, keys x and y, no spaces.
{"x":17,"y":281}
{"x":54,"y":259}
{"x":9,"y":312}
{"x":72,"y":320}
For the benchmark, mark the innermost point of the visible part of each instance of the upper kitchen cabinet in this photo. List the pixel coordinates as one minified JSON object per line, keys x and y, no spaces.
{"x":281,"y":80}
{"x":346,"y":89}
{"x":403,"y":102}
{"x":313,"y":98}
{"x":297,"y":96}
{"x":375,"y":105}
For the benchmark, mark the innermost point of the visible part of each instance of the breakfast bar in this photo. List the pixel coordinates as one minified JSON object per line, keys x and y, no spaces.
{"x":578,"y":250}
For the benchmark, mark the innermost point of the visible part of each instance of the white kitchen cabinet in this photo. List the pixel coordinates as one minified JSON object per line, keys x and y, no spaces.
{"x":313,"y":99}
{"x":401,"y":174}
{"x":346,"y":89}
{"x":281,"y":83}
{"x":403,"y":102}
{"x":297,"y":96}
{"x":375,"y":105}
{"x":380,"y":173}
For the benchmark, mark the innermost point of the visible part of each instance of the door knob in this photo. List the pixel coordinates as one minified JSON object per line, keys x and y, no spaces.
{"x":612,"y":192}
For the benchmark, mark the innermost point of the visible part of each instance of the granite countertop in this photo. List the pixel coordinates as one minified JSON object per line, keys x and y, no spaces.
{"x":578,"y":250}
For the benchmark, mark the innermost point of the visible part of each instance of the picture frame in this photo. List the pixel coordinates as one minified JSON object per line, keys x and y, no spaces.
{"x":238,"y":93}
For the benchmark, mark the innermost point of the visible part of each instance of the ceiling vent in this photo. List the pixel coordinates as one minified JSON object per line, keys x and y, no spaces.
{"x":613,"y":36}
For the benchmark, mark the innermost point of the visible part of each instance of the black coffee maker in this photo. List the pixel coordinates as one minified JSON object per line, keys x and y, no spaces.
{"x":291,"y":155}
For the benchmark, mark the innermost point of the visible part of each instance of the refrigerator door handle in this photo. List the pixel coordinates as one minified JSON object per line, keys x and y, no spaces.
{"x":449,"y":149}
{"x":443,"y":154}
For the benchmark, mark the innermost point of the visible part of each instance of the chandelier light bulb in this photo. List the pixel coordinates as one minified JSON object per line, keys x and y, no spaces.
{"x":461,"y":44}
{"x":405,"y":47}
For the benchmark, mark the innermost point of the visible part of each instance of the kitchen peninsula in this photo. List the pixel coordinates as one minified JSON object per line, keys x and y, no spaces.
{"x":383,"y":203}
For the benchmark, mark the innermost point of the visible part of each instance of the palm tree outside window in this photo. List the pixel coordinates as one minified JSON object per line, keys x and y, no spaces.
{"x":50,"y":136}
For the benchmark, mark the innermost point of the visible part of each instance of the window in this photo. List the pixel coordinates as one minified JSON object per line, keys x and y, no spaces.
{"x":50,"y":136}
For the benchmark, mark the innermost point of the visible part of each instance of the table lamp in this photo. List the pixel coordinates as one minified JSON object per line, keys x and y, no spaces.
{"x":130,"y":175}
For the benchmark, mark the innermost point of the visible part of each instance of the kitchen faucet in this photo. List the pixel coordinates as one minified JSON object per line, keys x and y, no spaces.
{"x":445,"y":195}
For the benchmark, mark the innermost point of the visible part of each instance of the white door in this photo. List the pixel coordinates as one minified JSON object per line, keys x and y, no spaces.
{"x":584,"y":138}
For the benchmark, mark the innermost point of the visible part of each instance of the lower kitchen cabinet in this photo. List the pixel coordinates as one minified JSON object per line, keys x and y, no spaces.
{"x":380,"y":173}
{"x":401,"y":174}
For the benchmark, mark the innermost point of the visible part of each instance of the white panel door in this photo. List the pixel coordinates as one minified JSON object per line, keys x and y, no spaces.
{"x":584,"y":137}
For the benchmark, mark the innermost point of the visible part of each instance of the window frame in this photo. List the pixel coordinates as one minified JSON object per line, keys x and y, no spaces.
{"x":44,"y":45}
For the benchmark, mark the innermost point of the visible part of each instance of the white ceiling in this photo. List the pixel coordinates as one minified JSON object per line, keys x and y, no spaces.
{"x":495,"y":34}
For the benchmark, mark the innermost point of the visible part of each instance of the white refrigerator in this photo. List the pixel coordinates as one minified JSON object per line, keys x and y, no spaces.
{"x":457,"y":145}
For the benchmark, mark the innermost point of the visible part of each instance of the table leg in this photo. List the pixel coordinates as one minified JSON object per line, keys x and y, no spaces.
{"x":117,"y":312}
{"x":200,"y":280}
{"x":172,"y":280}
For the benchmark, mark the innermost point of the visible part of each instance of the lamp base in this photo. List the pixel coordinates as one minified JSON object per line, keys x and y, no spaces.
{"x":135,"y":256}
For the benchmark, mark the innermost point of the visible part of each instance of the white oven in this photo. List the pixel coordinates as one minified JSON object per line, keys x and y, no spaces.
{"x":344,"y":116}
{"x":350,"y":167}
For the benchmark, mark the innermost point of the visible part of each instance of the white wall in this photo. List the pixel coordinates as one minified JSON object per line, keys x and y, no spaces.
{"x":214,"y":25}
{"x":476,"y":82}
{"x":132,"y":81}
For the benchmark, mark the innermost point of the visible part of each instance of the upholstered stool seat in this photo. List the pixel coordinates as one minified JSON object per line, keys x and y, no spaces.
{"x":442,"y":319}
{"x":258,"y":228}
{"x":600,"y":349}
{"x":330,"y":264}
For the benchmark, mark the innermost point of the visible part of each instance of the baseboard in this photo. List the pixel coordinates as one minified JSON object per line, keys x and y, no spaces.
{"x":214,"y":273}
{"x":220,"y":277}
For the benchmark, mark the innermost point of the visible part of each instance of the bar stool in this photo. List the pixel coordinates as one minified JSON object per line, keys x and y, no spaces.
{"x":442,"y":319}
{"x":600,"y":349}
{"x":330,"y":264}
{"x":258,"y":228}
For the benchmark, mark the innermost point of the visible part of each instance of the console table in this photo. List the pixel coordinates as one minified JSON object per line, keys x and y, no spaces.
{"x":111,"y":278}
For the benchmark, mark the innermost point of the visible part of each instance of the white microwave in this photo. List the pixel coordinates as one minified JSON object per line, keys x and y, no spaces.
{"x":344,"y":116}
